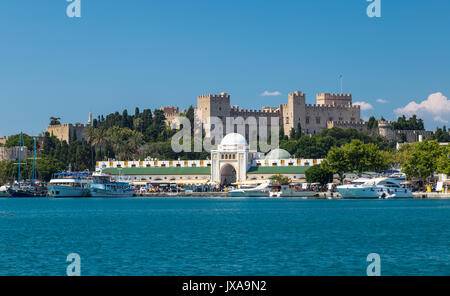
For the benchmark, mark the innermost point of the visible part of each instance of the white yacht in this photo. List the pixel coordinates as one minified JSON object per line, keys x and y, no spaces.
{"x":376,"y":188}
{"x":261,"y":190}
{"x":4,"y":191}
{"x":69,"y":184}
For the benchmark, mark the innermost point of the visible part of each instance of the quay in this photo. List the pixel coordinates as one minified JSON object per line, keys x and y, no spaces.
{"x":431,"y":195}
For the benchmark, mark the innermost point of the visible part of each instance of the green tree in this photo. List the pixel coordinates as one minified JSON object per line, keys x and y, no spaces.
{"x":318,"y":174}
{"x":443,"y":166}
{"x":14,"y":141}
{"x":422,"y":160}
{"x":55,"y":120}
{"x":337,"y":163}
{"x":372,"y":123}
{"x":280,"y":179}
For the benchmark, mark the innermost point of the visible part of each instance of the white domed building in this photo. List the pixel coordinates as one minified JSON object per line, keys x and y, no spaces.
{"x":230,"y":162}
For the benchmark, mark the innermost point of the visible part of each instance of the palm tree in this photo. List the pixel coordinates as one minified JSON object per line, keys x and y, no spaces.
{"x":135,"y":142}
{"x":55,"y":120}
{"x":138,"y":122}
{"x":101,"y":138}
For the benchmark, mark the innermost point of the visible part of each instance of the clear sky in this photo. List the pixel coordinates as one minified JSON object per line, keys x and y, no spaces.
{"x":122,"y":54}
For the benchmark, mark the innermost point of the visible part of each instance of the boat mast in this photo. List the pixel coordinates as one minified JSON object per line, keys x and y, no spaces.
{"x":20,"y":157}
{"x":34,"y":159}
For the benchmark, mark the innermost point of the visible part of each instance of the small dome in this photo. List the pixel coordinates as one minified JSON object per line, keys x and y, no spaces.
{"x":278,"y":154}
{"x":233,"y":139}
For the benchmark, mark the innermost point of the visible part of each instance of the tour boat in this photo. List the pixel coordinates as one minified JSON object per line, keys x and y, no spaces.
{"x":103,"y":186}
{"x":69,"y":184}
{"x":377,"y":188}
{"x":258,"y":191}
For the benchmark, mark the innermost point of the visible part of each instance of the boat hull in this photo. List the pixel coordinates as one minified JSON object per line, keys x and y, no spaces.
{"x":58,"y":191}
{"x":366,"y":193}
{"x":358,"y":193}
{"x":4,"y":194}
{"x":25,"y":194}
{"x":107,"y":193}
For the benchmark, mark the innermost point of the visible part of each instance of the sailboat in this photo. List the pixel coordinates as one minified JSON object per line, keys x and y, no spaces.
{"x":29,"y":188}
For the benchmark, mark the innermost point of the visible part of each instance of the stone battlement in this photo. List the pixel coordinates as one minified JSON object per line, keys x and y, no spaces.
{"x":223,"y":95}
{"x":347,"y":124}
{"x":333,"y":99}
{"x":333,"y":107}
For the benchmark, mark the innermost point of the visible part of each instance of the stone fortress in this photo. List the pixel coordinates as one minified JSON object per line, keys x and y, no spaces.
{"x":68,"y":131}
{"x":330,"y":110}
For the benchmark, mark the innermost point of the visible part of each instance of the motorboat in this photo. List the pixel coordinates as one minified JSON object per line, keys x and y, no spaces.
{"x":261,"y":190}
{"x":4,"y":191}
{"x":376,"y":188}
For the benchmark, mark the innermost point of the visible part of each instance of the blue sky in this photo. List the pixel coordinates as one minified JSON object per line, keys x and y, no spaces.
{"x":122,"y":54}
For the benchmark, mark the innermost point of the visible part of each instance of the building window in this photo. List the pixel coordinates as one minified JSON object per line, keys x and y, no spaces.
{"x":352,"y":119}
{"x":330,"y":119}
{"x":341,"y":119}
{"x":318,"y":120}
{"x":307,"y":119}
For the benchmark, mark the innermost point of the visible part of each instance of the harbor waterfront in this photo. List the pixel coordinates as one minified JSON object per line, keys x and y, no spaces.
{"x":216,"y":236}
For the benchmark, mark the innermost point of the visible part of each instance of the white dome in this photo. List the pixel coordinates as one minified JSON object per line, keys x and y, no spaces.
{"x":278,"y":154}
{"x":233,"y":139}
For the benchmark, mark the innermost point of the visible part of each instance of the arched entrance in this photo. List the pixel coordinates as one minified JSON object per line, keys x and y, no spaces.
{"x":227,"y":174}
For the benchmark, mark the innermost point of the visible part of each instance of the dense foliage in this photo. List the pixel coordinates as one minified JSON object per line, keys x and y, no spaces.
{"x":357,"y":157}
{"x":413,"y":123}
{"x":318,"y":145}
{"x":319,"y":174}
{"x":423,"y":159}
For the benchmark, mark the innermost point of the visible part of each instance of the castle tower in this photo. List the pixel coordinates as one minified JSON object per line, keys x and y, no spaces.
{"x":213,"y":105}
{"x":295,"y":112}
{"x":385,"y":129}
{"x":90,"y":119}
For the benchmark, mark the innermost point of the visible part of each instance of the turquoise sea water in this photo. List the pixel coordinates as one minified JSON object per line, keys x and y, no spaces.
{"x":224,"y":236}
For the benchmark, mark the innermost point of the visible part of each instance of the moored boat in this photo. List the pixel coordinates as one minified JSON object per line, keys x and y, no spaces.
{"x":4,"y":191}
{"x":289,"y":191}
{"x":29,"y":188}
{"x":261,"y":190}
{"x":70,"y":184}
{"x":103,"y":186}
{"x":376,"y":188}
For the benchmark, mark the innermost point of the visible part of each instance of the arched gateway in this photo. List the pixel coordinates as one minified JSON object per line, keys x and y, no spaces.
{"x":230,"y":161}
{"x":227,"y":174}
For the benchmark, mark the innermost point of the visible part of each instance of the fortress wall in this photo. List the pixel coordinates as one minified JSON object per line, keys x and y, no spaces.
{"x":317,"y":116}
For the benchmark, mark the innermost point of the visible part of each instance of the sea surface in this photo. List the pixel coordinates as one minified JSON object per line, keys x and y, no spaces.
{"x":223,"y":236}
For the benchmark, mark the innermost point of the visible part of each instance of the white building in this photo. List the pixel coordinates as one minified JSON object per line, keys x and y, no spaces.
{"x":233,"y":161}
